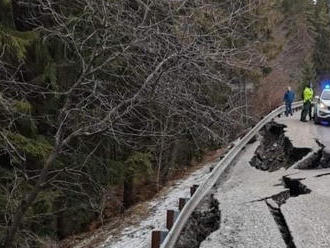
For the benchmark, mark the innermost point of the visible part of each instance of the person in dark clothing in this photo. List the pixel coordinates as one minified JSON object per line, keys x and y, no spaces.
{"x":307,"y":108}
{"x":288,"y":98}
{"x":310,"y":110}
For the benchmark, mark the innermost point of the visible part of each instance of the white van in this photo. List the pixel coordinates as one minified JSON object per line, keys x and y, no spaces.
{"x":322,"y":106}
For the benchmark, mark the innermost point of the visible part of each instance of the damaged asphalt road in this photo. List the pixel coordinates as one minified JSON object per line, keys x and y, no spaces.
{"x":276,"y":150}
{"x":274,"y":203}
{"x":283,"y":199}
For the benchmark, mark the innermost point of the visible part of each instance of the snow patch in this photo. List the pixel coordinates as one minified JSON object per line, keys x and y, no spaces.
{"x":139,"y":236}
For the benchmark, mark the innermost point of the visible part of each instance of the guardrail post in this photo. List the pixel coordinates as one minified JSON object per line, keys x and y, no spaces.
{"x":171,"y":216}
{"x":182,"y":202}
{"x":193,"y":189}
{"x":157,"y":238}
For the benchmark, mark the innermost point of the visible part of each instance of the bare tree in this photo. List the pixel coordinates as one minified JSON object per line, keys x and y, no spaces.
{"x":147,"y":73}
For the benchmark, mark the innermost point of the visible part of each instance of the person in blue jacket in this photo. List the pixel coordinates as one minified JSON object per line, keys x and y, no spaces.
{"x":288,"y":98}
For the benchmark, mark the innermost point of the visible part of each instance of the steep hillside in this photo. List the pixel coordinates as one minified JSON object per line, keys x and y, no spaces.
{"x":290,"y":46}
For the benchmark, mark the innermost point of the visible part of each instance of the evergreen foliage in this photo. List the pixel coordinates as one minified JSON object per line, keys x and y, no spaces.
{"x":322,"y":43}
{"x":308,"y":76}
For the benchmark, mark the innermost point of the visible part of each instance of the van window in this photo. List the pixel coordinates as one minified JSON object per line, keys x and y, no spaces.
{"x":326,"y":95}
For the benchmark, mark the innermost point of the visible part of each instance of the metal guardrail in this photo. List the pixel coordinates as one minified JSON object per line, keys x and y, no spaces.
{"x":217,"y":172}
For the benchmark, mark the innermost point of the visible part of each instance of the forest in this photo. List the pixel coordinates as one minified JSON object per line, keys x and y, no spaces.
{"x":104,"y":101}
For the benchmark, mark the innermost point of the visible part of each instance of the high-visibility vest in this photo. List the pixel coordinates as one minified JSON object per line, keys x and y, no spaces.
{"x":308,"y":94}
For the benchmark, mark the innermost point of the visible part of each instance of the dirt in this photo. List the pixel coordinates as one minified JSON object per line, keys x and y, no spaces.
{"x":317,"y":160}
{"x":203,"y":221}
{"x":276,"y":150}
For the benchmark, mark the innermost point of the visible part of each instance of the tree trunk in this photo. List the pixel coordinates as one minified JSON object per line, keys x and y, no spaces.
{"x":27,"y":202}
{"x":173,"y":157}
{"x":128,"y":197}
{"x":160,"y":161}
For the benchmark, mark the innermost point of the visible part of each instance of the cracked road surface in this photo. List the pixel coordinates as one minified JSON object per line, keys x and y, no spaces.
{"x":249,"y":220}
{"x":303,"y":134}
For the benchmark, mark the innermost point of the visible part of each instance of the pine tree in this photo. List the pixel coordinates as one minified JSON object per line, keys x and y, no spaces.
{"x":6,"y":14}
{"x":322,"y":43}
{"x":308,"y":74}
{"x":13,"y":42}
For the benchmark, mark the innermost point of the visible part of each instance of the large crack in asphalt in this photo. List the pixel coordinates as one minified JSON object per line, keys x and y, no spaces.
{"x":294,"y":189}
{"x":282,"y":225}
{"x":203,"y":221}
{"x":274,"y":203}
{"x":276,"y":150}
{"x":317,"y":160}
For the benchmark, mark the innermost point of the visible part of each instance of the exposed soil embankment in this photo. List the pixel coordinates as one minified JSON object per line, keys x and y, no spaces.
{"x":276,"y":150}
{"x":204,"y":221}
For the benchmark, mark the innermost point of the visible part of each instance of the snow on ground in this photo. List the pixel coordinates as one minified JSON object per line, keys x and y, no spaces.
{"x":139,"y":236}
